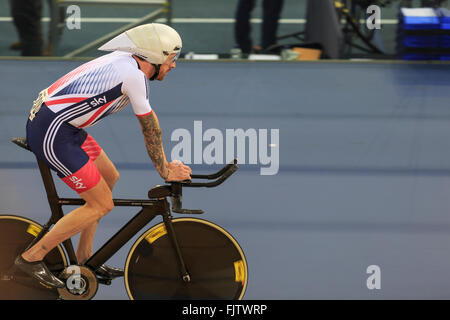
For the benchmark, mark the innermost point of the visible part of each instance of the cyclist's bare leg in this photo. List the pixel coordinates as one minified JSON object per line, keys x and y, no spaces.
{"x":107,"y":169}
{"x":86,"y":240}
{"x":98,"y":203}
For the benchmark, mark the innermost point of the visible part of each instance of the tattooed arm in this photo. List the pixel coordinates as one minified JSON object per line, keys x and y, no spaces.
{"x":153,"y":142}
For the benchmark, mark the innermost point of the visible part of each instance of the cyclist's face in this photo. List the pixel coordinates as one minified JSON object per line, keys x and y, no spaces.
{"x":168,"y":65}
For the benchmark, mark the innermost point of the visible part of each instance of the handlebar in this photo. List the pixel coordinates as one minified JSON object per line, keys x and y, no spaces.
{"x":223,"y":174}
{"x":175,"y":188}
{"x":217,"y":174}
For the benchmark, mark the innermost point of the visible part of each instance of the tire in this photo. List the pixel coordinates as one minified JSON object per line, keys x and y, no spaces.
{"x":15,"y":234}
{"x":214,"y":260}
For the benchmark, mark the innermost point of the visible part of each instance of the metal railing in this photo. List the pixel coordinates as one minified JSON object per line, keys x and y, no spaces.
{"x":57,"y":24}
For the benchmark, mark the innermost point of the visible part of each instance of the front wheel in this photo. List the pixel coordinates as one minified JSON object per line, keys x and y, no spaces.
{"x":215,"y":262}
{"x":16,"y":233}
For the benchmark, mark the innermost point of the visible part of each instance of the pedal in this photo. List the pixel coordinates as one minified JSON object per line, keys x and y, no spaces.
{"x":104,"y":281}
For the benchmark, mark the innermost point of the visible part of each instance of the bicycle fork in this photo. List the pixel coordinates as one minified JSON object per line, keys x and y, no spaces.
{"x":167,"y":218}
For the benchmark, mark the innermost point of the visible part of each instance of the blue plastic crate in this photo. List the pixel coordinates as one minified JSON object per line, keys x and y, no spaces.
{"x":430,"y":20}
{"x":419,"y":19}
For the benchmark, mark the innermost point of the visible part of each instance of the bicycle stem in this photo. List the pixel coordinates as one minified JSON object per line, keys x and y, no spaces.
{"x":176,"y":188}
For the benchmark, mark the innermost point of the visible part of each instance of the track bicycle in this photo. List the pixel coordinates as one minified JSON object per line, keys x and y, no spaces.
{"x":178,"y":258}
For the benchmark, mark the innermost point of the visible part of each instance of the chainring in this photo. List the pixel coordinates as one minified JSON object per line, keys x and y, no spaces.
{"x":81,"y":283}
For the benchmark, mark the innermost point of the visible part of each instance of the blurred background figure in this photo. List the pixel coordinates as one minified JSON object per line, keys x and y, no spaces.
{"x":242,"y":28}
{"x":26,"y":15}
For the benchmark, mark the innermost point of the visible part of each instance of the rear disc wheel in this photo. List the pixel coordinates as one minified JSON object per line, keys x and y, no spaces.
{"x":16,"y":233}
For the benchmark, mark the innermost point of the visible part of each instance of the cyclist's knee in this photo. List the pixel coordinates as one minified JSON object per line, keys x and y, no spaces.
{"x":106,"y":207}
{"x":99,"y":199}
{"x":101,"y":208}
{"x":115,"y":177}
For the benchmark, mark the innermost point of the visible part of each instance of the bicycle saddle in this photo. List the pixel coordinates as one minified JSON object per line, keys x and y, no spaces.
{"x":21,"y":142}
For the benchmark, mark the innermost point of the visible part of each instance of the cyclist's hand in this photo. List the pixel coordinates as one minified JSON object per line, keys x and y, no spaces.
{"x":178,"y":171}
{"x":175,"y":163}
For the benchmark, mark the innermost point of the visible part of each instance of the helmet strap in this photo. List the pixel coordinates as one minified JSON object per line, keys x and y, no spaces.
{"x":155,"y":75}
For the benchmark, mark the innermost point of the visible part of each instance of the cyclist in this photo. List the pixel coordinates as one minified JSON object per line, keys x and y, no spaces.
{"x":80,"y":99}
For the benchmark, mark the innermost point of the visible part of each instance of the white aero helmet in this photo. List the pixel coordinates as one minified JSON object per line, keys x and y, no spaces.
{"x":153,"y":42}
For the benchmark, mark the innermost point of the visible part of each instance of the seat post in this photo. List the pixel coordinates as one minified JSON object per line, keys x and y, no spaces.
{"x":50,"y":189}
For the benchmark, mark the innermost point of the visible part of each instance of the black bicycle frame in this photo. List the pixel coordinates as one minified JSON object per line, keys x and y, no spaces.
{"x":150,"y":209}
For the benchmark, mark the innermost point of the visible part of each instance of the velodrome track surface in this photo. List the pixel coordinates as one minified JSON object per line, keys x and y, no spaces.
{"x":364,"y":154}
